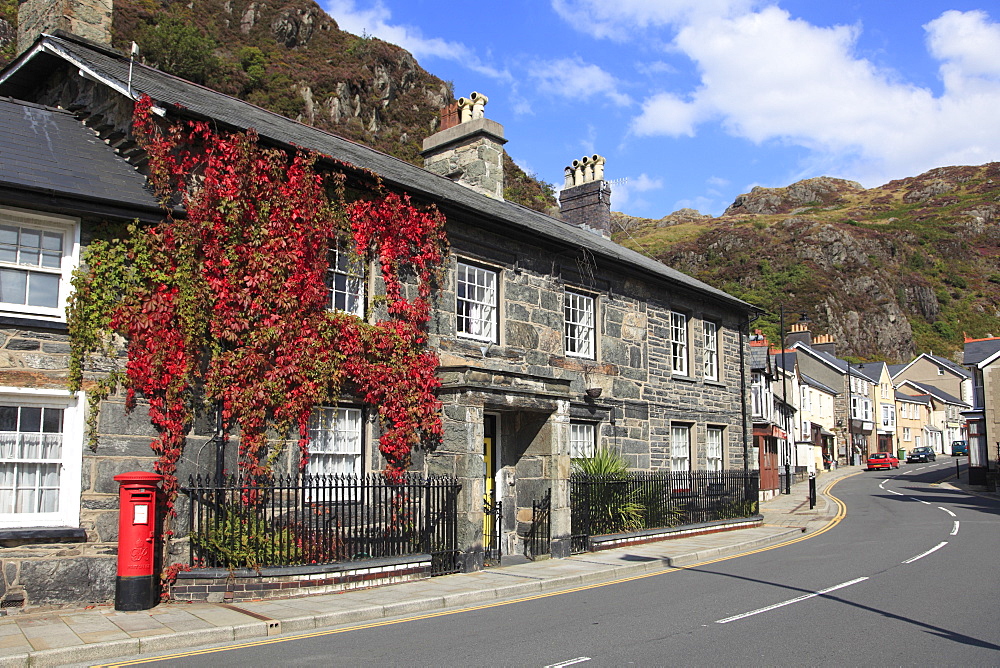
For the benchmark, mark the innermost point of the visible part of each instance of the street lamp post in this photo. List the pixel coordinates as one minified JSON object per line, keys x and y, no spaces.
{"x":850,"y":417}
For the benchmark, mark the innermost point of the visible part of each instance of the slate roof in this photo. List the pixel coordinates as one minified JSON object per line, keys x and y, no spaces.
{"x":894,"y":369}
{"x":189,"y":98}
{"x":916,"y":399}
{"x":50,"y":151}
{"x":977,"y":351}
{"x":935,"y":392}
{"x":789,"y":360}
{"x":758,"y":358}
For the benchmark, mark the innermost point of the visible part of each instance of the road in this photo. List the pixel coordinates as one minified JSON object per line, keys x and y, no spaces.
{"x":907,"y":577}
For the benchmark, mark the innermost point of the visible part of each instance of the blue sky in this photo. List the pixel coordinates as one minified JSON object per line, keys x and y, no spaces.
{"x":693,"y":102}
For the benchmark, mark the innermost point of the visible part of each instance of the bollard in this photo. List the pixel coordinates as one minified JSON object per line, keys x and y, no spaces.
{"x":958,"y":470}
{"x":136,"y":584}
{"x":812,"y":491}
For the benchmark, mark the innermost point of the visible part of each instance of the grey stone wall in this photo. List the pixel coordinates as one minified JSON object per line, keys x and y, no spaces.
{"x":588,"y":206}
{"x":527,"y":379}
{"x":470,"y":153}
{"x":54,"y":567}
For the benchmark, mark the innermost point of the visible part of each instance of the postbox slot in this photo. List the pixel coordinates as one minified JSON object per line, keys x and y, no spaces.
{"x":141,"y":496}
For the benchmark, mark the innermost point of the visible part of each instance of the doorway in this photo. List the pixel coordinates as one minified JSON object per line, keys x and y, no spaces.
{"x":492,"y":506}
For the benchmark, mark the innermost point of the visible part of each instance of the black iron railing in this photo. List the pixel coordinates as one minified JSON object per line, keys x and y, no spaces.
{"x":303,"y":519}
{"x":492,"y":522}
{"x":639,"y":500}
{"x":539,"y":539}
{"x":794,"y":474}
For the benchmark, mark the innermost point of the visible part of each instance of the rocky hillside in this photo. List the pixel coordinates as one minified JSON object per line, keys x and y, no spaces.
{"x":908,"y":267}
{"x":292,"y":58}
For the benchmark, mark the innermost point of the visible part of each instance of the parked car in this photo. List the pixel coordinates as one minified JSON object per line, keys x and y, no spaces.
{"x":922,"y":454}
{"x":882,"y":460}
{"x":959,"y":448}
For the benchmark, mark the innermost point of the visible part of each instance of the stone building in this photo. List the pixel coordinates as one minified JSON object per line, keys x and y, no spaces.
{"x":552,"y":339}
{"x":58,"y":510}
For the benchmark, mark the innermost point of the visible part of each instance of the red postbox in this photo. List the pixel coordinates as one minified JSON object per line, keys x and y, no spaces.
{"x":135,"y":587}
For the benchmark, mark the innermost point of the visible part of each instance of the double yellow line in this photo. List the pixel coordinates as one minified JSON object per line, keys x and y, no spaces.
{"x":841,"y":513}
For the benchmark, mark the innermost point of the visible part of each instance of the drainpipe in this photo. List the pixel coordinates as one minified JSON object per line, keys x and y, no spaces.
{"x":743,"y":405}
{"x":743,"y":389}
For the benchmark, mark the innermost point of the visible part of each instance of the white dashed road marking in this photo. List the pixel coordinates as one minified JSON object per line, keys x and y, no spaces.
{"x":921,"y":556}
{"x":789,"y":602}
{"x":579,"y":659}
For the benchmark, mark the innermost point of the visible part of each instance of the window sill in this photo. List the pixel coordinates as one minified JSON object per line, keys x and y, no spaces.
{"x":686,"y":379}
{"x":44,"y":534}
{"x":716,"y":383}
{"x":39,"y":322}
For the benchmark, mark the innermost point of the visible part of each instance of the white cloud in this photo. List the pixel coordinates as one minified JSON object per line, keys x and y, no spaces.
{"x":574,"y":78}
{"x":667,"y":114}
{"x":624,"y":193}
{"x":621,"y":19}
{"x":375,"y":21}
{"x":767,"y":77}
{"x":968,"y":46}
{"x":654,"y":68}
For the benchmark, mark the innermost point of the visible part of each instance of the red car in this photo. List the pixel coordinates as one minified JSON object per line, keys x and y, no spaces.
{"x":882,"y":460}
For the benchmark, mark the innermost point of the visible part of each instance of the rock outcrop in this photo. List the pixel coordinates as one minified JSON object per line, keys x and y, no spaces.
{"x":908,"y":267}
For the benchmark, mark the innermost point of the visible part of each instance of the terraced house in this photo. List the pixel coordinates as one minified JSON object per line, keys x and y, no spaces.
{"x":553,"y":340}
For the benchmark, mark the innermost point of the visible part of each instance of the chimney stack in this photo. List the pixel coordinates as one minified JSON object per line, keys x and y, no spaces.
{"x":800,"y":332}
{"x":585,"y":200}
{"x":825,"y":343}
{"x":468,"y":148}
{"x":90,"y":19}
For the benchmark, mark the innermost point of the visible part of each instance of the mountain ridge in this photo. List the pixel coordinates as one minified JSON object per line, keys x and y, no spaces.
{"x":906,"y":267}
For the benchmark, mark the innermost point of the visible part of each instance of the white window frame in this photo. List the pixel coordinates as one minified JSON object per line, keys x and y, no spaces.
{"x":582,"y":439}
{"x":714,"y":448}
{"x":680,"y":447}
{"x":761,"y":403}
{"x":336,"y":441}
{"x":70,"y":459}
{"x":66,"y":226}
{"x":710,"y":340}
{"x":347,"y":268}
{"x":580,"y":316}
{"x":907,"y":436}
{"x":476,"y":314}
{"x":678,"y":343}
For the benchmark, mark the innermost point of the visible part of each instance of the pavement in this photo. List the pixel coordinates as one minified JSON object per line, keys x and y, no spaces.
{"x":100,"y":634}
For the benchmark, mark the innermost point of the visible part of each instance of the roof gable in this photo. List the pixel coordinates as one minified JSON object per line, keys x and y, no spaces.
{"x":937,"y":393}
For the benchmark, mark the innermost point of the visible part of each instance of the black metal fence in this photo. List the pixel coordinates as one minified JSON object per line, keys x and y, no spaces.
{"x":790,"y":476}
{"x":539,"y":539}
{"x":492,"y":521}
{"x":638,"y":500}
{"x":303,"y":519}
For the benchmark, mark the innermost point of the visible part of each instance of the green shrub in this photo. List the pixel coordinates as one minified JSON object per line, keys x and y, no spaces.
{"x":613,"y":506}
{"x":239,"y":540}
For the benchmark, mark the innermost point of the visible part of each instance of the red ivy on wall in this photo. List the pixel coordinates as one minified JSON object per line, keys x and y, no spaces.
{"x":229,"y":301}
